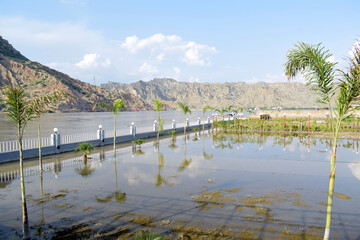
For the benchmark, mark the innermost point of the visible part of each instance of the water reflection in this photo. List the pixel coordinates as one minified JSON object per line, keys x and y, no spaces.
{"x":259,"y":185}
{"x":185,"y":162}
{"x":86,"y":170}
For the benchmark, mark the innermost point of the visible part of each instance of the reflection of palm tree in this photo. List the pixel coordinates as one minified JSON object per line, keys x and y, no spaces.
{"x":159,"y":179}
{"x":186,"y":162}
{"x":173,"y":140}
{"x":42,"y":221}
{"x":119,"y":196}
{"x":85,"y":171}
{"x":206,"y":156}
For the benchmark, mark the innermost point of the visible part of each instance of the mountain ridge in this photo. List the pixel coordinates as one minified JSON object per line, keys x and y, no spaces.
{"x":239,"y":94}
{"x":35,"y":78}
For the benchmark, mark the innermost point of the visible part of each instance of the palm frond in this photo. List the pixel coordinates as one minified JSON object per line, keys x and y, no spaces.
{"x":158,"y":105}
{"x":313,"y":62}
{"x":206,"y":108}
{"x":118,"y":105}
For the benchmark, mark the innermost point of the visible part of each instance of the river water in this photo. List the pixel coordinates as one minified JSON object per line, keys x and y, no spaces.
{"x":213,"y":186}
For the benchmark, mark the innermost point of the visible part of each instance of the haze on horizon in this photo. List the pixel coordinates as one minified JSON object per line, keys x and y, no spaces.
{"x":191,"y":41}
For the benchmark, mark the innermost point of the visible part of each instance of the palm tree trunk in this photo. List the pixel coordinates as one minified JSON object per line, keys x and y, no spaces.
{"x":184,"y":125}
{"x":158,"y":130}
{"x":26,"y":230}
{"x":331,"y":189}
{"x":39,"y":144}
{"x":203,"y":123}
{"x":114,"y":133}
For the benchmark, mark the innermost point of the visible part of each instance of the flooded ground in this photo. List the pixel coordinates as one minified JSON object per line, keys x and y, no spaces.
{"x":213,"y":187}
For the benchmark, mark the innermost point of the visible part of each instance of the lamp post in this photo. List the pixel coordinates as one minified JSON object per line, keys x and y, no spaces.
{"x":284,"y":121}
{"x":309,"y":114}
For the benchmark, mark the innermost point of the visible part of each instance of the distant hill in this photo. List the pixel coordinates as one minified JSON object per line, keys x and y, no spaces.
{"x":37,"y":79}
{"x":198,"y":95}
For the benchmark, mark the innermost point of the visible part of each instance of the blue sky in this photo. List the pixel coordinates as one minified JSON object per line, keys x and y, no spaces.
{"x":192,"y":41}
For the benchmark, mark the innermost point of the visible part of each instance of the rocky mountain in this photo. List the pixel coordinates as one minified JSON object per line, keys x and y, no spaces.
{"x":37,"y":79}
{"x":198,"y":95}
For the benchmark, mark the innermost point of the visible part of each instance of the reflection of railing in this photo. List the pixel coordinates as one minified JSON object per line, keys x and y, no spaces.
{"x":10,"y":146}
{"x":33,"y":170}
{"x":78,"y":137}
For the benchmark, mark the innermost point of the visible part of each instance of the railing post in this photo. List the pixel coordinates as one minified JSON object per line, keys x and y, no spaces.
{"x":100,"y":134}
{"x":133,"y":129}
{"x":173,"y":124}
{"x":55,"y":140}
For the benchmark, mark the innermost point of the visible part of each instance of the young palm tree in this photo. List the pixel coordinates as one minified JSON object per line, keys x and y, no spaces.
{"x":86,"y":148}
{"x":117,"y":106}
{"x":40,"y":105}
{"x":160,"y":121}
{"x":185,"y":109}
{"x":313,"y":62}
{"x":221,"y":111}
{"x":18,"y":109}
{"x":206,"y":108}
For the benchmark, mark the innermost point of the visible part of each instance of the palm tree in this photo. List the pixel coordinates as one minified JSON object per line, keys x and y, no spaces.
{"x":160,"y":121}
{"x":86,"y":148}
{"x":40,"y":105}
{"x":221,"y":111}
{"x":185,"y":109}
{"x":20,"y":111}
{"x":313,"y":62}
{"x":117,"y":106}
{"x":207,"y":107}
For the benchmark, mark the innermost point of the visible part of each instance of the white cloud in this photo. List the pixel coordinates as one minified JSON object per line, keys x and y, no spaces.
{"x":194,"y":79}
{"x":177,"y":72}
{"x":160,"y":57}
{"x":106,"y":63}
{"x":148,"y":69}
{"x":82,"y":52}
{"x":194,"y":54}
{"x":89,"y":61}
{"x":191,"y":52}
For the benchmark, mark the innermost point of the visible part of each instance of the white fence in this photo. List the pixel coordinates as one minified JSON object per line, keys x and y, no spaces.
{"x":10,"y":146}
{"x":33,"y":170}
{"x":78,"y":137}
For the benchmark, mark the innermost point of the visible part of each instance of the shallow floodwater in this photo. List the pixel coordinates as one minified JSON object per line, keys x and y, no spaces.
{"x":222,"y":186}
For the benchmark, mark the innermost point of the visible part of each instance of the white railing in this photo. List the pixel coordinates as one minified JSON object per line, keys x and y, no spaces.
{"x":10,"y":146}
{"x":33,"y":170}
{"x":77,"y":138}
